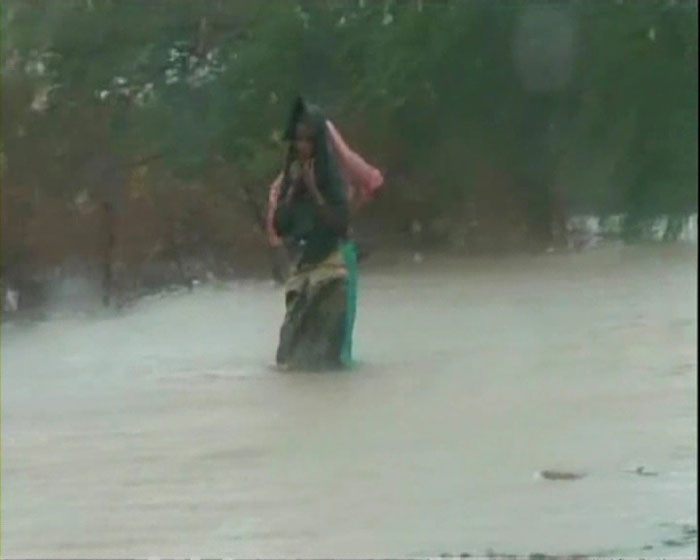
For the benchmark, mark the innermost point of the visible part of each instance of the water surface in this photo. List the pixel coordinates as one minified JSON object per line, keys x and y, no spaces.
{"x":163,"y":430}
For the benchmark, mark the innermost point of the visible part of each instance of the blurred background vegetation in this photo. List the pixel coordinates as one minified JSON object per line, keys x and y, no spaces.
{"x":137,"y":132}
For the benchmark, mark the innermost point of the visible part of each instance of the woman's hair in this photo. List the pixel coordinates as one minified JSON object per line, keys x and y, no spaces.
{"x":298,"y":111}
{"x":326,"y":169}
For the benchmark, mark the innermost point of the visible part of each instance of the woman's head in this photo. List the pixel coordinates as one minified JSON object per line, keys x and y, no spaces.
{"x":305,"y":128}
{"x":307,"y":134}
{"x":304,"y":139}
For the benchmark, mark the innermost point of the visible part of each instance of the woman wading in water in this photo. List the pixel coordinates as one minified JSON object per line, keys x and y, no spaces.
{"x":310,"y":211}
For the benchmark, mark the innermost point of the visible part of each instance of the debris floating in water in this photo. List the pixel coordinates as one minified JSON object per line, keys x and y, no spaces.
{"x":643,"y":471}
{"x":689,"y":530}
{"x":558,"y":475}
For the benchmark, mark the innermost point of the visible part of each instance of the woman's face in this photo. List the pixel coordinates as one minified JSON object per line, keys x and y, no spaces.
{"x":304,"y":141}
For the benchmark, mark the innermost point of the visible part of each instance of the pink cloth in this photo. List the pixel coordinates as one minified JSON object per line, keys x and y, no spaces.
{"x":364,"y":181}
{"x":362,"y":177}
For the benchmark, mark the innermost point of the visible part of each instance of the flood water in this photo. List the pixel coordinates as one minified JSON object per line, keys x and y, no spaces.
{"x":163,"y":431}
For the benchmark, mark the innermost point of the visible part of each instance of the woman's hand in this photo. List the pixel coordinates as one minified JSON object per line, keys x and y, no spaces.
{"x":307,"y":172}
{"x":295,"y":174}
{"x":310,"y":181}
{"x":290,"y":193}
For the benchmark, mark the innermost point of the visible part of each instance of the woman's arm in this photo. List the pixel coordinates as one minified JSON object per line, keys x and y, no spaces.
{"x":272,"y":204}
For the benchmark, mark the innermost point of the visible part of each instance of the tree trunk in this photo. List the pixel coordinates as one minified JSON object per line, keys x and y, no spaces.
{"x":108,"y":254}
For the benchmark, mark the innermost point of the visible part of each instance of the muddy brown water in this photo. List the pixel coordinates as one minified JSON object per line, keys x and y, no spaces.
{"x":163,"y":431}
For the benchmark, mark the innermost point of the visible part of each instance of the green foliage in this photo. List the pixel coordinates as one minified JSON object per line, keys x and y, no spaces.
{"x":467,"y":106}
